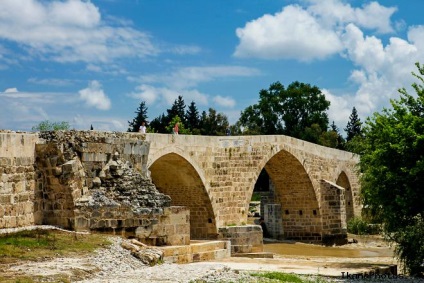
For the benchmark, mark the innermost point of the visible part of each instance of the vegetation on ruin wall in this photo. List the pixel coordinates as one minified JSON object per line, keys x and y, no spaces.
{"x":392,"y":167}
{"x":47,"y":125}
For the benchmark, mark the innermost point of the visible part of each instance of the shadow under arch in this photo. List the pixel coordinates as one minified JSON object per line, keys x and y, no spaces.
{"x":292,"y":191}
{"x":175,"y":176}
{"x":343,"y":181}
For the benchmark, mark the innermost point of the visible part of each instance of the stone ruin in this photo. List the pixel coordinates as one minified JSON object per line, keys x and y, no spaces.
{"x":92,"y":182}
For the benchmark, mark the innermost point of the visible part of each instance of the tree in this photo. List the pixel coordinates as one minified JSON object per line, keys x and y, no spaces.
{"x":177,"y":109}
{"x":354,"y":126}
{"x":193,"y":118}
{"x":181,"y":127}
{"x":46,"y":125}
{"x":303,"y":105}
{"x":141,"y":112}
{"x":298,"y":111}
{"x":159,"y":124}
{"x":213,"y":123}
{"x":340,"y":140}
{"x":392,"y":166}
{"x":265,"y":117}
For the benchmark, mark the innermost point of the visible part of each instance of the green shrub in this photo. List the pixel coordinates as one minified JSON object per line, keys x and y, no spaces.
{"x":359,"y":226}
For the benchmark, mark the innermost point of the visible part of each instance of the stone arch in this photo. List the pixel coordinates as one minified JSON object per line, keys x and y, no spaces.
{"x":177,"y":177}
{"x":343,"y":181}
{"x":293,"y":190}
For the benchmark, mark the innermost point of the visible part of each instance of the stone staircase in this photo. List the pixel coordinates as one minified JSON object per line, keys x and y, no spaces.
{"x":197,"y":251}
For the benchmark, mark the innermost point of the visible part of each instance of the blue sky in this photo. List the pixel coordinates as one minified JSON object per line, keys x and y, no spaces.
{"x":93,"y":62}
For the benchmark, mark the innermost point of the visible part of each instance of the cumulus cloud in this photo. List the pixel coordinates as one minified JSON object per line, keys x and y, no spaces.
{"x":323,"y":28}
{"x":94,"y":96}
{"x":291,"y":33}
{"x":69,"y":31}
{"x":308,"y":33}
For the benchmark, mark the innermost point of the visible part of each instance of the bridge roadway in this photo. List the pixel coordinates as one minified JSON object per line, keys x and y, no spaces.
{"x":316,"y":188}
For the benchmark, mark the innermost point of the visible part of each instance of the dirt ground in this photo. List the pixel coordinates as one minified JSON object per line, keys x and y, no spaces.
{"x":369,"y":253}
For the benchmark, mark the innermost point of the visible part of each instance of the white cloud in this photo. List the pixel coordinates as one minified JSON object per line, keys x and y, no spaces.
{"x":323,"y":28}
{"x":11,"y":90}
{"x":26,"y":109}
{"x":371,"y":16}
{"x":340,"y":108}
{"x":192,"y":76}
{"x":224,"y":101}
{"x":151,"y":95}
{"x":165,"y":88}
{"x":291,"y":33}
{"x":94,"y":96}
{"x":308,"y":33}
{"x":51,"y":81}
{"x":69,"y":31}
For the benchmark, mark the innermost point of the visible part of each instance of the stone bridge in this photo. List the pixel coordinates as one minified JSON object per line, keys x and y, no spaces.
{"x":315,"y":188}
{"x":313,"y":191}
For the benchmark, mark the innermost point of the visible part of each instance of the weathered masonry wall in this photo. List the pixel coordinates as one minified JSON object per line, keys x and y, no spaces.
{"x":57,"y":179}
{"x":225,"y":169}
{"x":17,"y":179}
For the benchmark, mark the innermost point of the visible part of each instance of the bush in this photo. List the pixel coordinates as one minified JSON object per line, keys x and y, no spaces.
{"x":359,"y":226}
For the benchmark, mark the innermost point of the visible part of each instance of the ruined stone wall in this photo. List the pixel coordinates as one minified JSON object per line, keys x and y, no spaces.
{"x":98,"y":181}
{"x":17,"y":179}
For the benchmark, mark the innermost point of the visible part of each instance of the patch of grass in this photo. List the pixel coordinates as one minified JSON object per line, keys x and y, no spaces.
{"x":35,"y":279}
{"x":279,"y":276}
{"x":287,"y":277}
{"x":42,"y":244}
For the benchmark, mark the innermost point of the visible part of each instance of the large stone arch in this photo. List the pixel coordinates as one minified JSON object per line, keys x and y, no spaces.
{"x":295,"y":193}
{"x":177,"y":177}
{"x":343,"y":181}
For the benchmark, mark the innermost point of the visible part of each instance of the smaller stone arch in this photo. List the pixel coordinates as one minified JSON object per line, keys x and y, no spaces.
{"x":343,"y":181}
{"x":177,"y":177}
{"x":294,"y":195}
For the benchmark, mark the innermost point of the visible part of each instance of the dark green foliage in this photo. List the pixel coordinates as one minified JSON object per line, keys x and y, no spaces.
{"x":298,"y":111}
{"x":392,"y":166}
{"x":51,"y":126}
{"x":193,"y":118}
{"x":340,"y":140}
{"x":354,"y":126}
{"x":141,"y":116}
{"x":265,"y":116}
{"x":158,"y":125}
{"x":177,"y":109}
{"x":212,"y":123}
{"x":359,"y":226}
{"x":302,"y":106}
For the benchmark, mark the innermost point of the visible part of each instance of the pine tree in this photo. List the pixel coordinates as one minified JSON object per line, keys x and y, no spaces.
{"x":354,"y":126}
{"x":141,"y":112}
{"x":159,"y":124}
{"x":177,"y":109}
{"x":192,"y":117}
{"x":340,"y":140}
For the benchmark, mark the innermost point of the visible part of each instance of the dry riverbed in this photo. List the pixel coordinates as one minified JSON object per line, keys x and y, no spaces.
{"x":115,"y":264}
